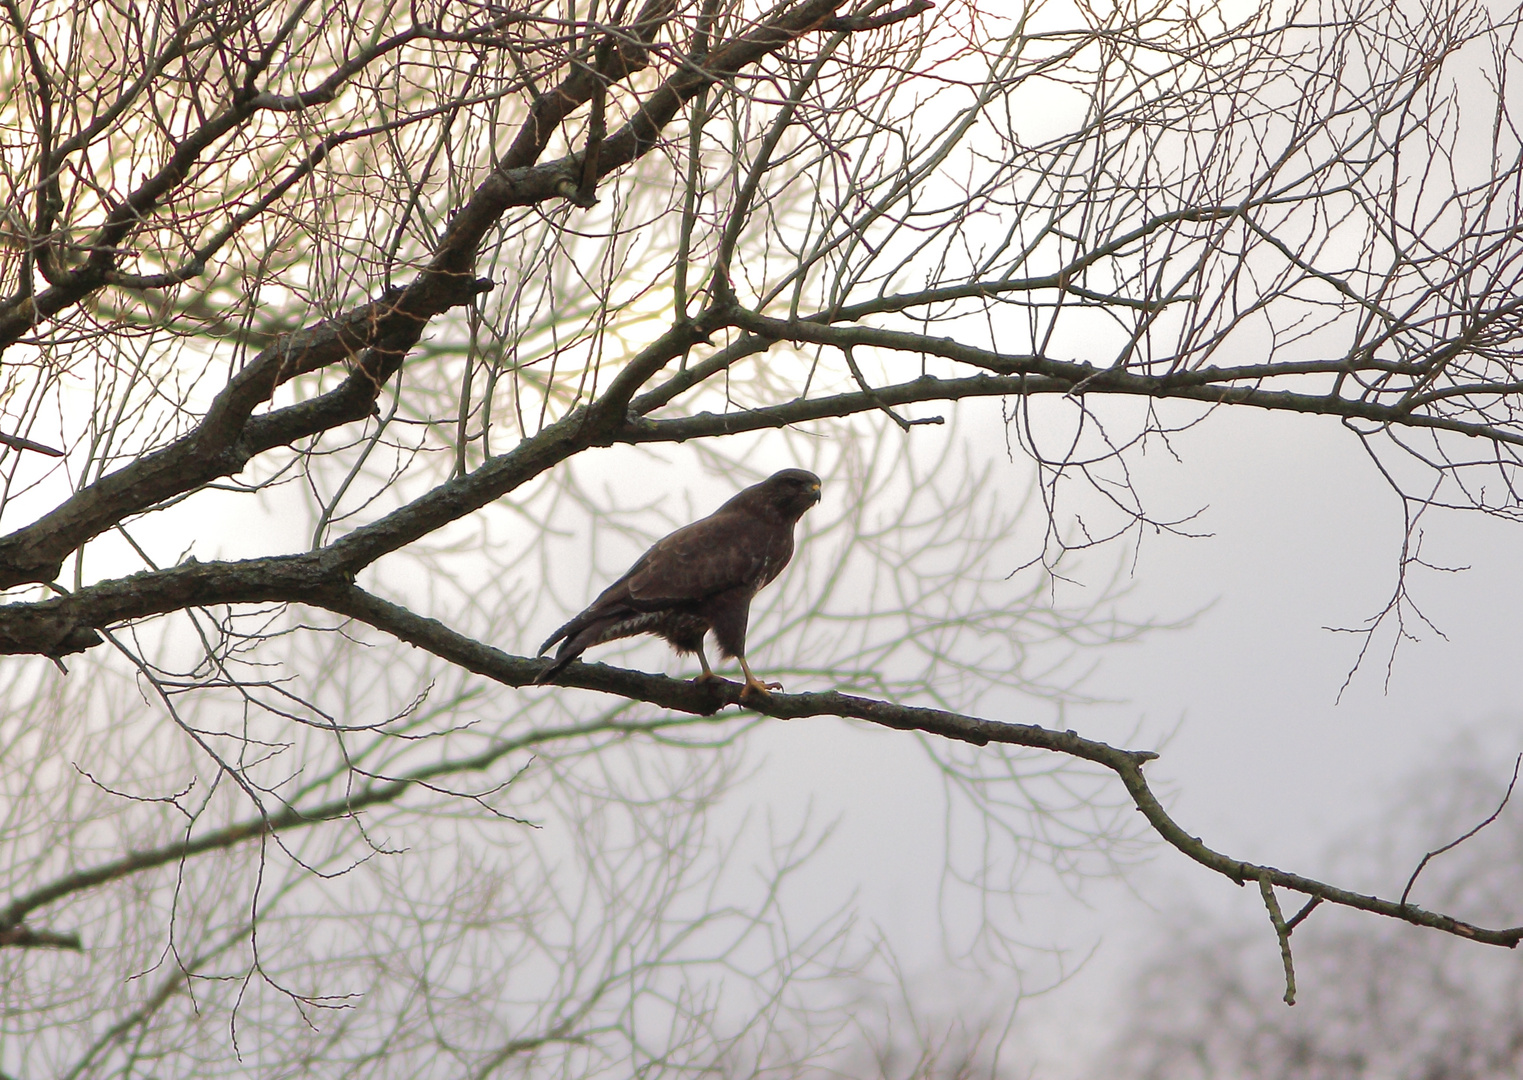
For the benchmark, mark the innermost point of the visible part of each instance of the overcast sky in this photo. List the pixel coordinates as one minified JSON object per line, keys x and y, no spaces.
{"x":1261,"y":758}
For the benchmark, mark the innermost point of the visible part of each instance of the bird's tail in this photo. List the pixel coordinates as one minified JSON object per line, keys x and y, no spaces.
{"x":568,"y":631}
{"x":570,"y":649}
{"x":554,"y":665}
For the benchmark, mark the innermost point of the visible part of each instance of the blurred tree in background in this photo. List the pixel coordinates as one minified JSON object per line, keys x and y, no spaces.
{"x":346,"y":348}
{"x":1380,"y":999}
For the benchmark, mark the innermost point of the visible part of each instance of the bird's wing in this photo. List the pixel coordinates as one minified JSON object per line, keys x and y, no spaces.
{"x":711,"y":556}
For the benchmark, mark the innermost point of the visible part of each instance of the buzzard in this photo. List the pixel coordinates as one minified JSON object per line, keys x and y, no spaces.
{"x":700,"y":578}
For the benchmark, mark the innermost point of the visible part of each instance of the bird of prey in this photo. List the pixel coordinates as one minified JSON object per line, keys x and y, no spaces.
{"x":700,"y":578}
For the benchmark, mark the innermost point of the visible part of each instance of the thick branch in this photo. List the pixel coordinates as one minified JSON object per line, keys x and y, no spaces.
{"x":63,"y":625}
{"x":217,"y":446}
{"x":24,"y":937}
{"x":706,"y":698}
{"x":378,"y":335}
{"x":512,"y":183}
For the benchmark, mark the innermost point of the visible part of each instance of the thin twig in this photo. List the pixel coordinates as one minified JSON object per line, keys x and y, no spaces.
{"x":1456,"y":843}
{"x":1300,"y":916}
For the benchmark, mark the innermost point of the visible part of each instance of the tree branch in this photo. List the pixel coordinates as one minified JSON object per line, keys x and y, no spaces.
{"x":708,"y":698}
{"x":377,"y":336}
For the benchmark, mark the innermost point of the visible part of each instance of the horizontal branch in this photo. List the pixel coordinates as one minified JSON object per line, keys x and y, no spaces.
{"x":1036,"y":374}
{"x":67,"y":624}
{"x":707,"y":698}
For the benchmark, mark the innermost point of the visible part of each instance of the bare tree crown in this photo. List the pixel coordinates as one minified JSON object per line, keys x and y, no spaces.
{"x":384,"y":276}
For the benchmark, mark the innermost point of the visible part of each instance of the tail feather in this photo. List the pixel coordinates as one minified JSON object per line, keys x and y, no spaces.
{"x":563,"y":632}
{"x":589,"y":628}
{"x":574,"y":639}
{"x":554,"y":665}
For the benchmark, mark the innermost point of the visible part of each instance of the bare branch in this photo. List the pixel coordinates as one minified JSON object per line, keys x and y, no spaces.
{"x":1407,"y":890}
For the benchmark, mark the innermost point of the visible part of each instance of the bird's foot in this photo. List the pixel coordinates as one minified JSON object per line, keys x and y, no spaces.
{"x":706,"y":678}
{"x":756,"y":686}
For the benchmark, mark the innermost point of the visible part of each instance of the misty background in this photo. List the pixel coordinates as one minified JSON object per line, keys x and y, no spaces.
{"x":1272,"y":746}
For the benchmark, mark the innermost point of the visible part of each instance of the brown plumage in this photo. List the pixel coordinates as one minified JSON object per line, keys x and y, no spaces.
{"x":700,"y":578}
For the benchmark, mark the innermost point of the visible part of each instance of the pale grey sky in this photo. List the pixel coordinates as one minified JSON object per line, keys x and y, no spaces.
{"x":1261,"y":758}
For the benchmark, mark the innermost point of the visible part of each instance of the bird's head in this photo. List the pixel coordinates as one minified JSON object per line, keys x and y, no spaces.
{"x":790,"y":492}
